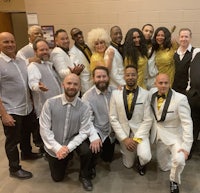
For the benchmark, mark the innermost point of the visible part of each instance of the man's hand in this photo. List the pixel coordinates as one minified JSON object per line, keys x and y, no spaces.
{"x":62,"y":152}
{"x":130,"y":144}
{"x":95,"y":146}
{"x":42,"y":87}
{"x":77,"y":69}
{"x":8,"y":120}
{"x":186,"y":154}
{"x":34,"y":59}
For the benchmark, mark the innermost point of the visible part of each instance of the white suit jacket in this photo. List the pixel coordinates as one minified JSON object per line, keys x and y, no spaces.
{"x":77,"y":57}
{"x":117,"y":70}
{"x":61,"y":61}
{"x":177,"y":126}
{"x":141,"y":120}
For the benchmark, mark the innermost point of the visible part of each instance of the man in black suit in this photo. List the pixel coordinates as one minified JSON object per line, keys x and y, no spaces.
{"x":186,"y":79}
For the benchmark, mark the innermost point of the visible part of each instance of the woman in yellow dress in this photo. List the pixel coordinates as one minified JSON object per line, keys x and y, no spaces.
{"x":164,"y":52}
{"x":135,"y":53}
{"x":98,"y":41}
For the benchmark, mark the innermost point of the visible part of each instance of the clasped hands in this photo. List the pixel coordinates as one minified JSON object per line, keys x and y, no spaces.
{"x":130,"y":144}
{"x":62,"y":152}
{"x":77,"y":69}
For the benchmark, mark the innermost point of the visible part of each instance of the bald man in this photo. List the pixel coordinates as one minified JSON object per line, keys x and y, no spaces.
{"x":64,"y":127}
{"x":172,"y":129}
{"x":15,"y":107}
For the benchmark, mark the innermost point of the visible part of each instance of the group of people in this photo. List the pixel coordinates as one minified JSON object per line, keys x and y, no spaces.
{"x":86,"y":97}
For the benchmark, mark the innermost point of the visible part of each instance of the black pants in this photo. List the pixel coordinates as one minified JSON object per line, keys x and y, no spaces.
{"x":106,"y":153}
{"x":194,"y":102}
{"x":20,"y":133}
{"x":58,"y":167}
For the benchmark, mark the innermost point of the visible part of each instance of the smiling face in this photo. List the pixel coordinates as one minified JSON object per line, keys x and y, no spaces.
{"x":71,"y":86}
{"x":77,"y":36}
{"x":42,"y":51}
{"x":62,"y":40}
{"x":184,"y":38}
{"x":7,"y":44}
{"x":136,"y":38}
{"x":100,"y":46}
{"x":130,"y":76}
{"x":101,"y":79}
{"x":160,"y":37}
{"x":162,"y":83}
{"x":116,"y":35}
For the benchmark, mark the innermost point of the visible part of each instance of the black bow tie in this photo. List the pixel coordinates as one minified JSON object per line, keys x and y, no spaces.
{"x":161,"y":96}
{"x":130,"y":91}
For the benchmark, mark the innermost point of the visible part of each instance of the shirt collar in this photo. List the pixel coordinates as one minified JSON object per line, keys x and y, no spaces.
{"x":65,"y":101}
{"x":6,"y":58}
{"x":189,"y":49}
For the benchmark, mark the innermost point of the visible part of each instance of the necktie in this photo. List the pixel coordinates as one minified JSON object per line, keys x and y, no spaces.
{"x":129,"y":100}
{"x":160,"y":101}
{"x":130,"y":95}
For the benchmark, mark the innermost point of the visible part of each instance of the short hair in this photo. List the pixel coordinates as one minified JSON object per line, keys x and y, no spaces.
{"x":59,"y":31}
{"x":95,"y":35}
{"x":32,"y":28}
{"x":38,"y":39}
{"x":100,"y":68}
{"x":115,"y":26}
{"x":148,"y":24}
{"x":131,"y":66}
{"x":185,"y":29}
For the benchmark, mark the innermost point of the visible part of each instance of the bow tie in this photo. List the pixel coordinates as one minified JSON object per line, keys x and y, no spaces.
{"x":130,"y":91}
{"x":161,"y":96}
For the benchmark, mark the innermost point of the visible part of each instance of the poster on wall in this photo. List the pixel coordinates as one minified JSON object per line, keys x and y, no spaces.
{"x":48,"y":31}
{"x":32,"y":18}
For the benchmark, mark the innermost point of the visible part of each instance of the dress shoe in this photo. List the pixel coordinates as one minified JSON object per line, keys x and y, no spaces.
{"x":141,"y":169}
{"x":31,"y":156}
{"x":21,"y":174}
{"x":174,"y":187}
{"x":87,"y":184}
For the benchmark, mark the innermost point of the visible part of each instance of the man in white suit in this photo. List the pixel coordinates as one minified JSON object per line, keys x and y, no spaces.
{"x":113,"y":58}
{"x":172,"y":129}
{"x":80,"y":53}
{"x":131,"y":121}
{"x":60,"y":56}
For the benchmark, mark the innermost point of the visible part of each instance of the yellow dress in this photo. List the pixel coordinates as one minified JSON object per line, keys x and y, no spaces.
{"x":141,"y":67}
{"x":164,"y":60}
{"x":96,"y":60}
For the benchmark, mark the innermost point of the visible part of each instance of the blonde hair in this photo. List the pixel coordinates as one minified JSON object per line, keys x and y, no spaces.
{"x":97,"y":34}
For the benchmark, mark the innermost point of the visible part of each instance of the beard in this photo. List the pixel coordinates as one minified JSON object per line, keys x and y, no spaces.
{"x":102,"y":86}
{"x":71,"y":93}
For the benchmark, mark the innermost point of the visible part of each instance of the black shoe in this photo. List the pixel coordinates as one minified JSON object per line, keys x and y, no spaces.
{"x":174,"y":187}
{"x":141,"y":169}
{"x":93,"y":173}
{"x":87,"y":184}
{"x":31,"y":156}
{"x":21,"y":174}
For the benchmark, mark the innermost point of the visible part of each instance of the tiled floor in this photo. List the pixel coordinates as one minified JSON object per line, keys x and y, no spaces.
{"x":113,"y":179}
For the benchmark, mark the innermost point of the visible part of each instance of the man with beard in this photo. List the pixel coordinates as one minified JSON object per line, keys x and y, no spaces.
{"x":43,"y":81}
{"x":114,"y":59}
{"x":131,"y":121}
{"x":80,"y":53}
{"x":99,"y":98}
{"x":61,"y":58}
{"x":65,"y":124}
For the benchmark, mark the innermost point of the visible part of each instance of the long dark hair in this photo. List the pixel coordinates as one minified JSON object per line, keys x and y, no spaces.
{"x":131,"y":51}
{"x":167,"y":41}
